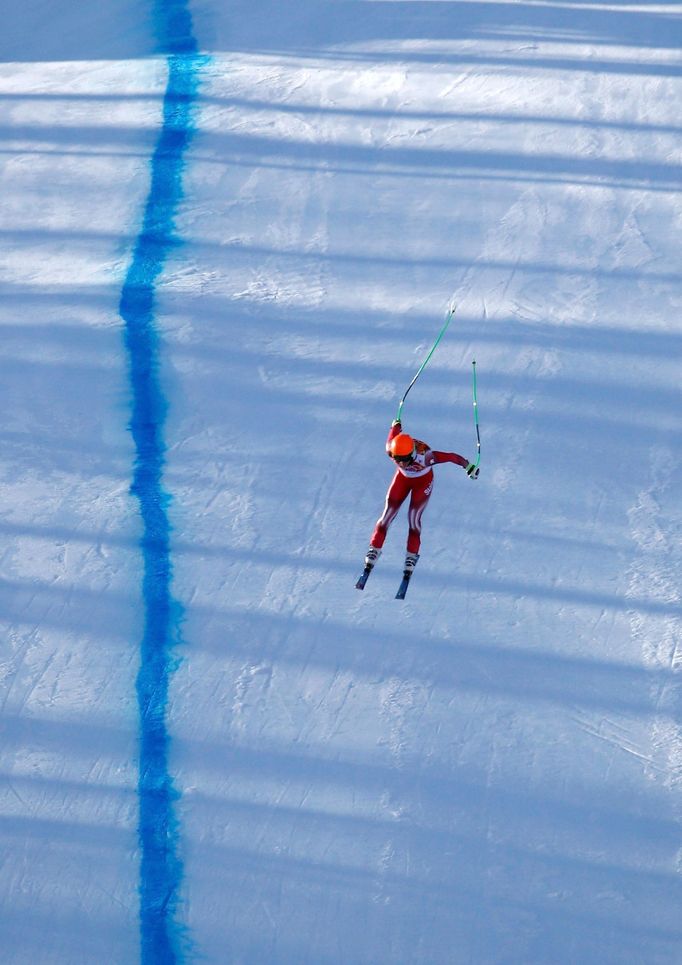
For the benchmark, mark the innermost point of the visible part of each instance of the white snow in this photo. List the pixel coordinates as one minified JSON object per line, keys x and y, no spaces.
{"x":490,"y":771}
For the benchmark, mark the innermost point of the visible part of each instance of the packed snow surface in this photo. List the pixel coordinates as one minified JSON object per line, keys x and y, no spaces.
{"x":485,"y":774}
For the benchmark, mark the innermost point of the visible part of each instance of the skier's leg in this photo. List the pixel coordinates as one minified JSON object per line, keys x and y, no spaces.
{"x":395,"y":497}
{"x":421,"y":492}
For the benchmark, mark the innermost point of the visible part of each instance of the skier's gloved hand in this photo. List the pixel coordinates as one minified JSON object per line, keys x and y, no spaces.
{"x":396,"y":422}
{"x":472,"y":470}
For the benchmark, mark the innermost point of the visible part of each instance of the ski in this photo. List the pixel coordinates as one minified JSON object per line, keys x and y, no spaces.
{"x":402,"y":589}
{"x":364,"y":576}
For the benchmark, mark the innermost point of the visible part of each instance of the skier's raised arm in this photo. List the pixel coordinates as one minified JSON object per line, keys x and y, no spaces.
{"x":394,"y":431}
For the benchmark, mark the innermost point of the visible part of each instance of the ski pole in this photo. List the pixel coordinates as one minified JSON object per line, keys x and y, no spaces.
{"x":424,"y":363}
{"x":478,"y":433}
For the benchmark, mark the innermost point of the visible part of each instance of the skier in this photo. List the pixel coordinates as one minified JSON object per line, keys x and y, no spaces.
{"x":414,"y":478}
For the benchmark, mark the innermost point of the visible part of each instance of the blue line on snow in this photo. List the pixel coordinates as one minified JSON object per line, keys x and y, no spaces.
{"x":160,"y":866}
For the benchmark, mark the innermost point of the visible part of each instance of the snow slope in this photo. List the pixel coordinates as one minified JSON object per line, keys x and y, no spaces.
{"x":78,"y":121}
{"x":490,"y":771}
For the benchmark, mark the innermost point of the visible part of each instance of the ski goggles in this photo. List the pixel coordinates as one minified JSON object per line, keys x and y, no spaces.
{"x":404,"y":459}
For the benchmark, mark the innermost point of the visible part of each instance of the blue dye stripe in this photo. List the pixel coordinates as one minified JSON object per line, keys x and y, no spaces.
{"x":160,"y":866}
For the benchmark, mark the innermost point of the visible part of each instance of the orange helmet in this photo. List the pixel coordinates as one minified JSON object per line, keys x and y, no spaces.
{"x":402,"y":447}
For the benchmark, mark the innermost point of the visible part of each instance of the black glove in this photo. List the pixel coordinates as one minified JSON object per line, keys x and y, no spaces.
{"x":472,"y":470}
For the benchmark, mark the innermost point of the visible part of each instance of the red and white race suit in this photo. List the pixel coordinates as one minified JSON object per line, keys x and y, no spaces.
{"x":414,"y":480}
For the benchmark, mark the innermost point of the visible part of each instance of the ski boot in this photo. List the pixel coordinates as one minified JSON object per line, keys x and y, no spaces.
{"x":373,"y":555}
{"x":410,"y":563}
